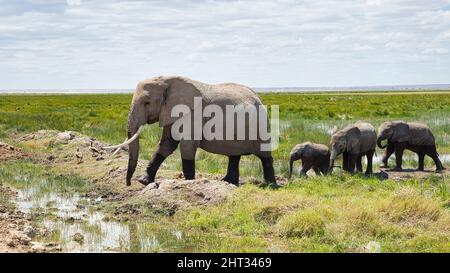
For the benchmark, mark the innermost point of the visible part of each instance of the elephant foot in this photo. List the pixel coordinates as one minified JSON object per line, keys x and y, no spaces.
{"x":420,"y":169}
{"x":231,"y":179}
{"x":439,"y":170}
{"x":146,"y":179}
{"x":384,"y":166}
{"x":397,"y":169}
{"x":188,"y":169}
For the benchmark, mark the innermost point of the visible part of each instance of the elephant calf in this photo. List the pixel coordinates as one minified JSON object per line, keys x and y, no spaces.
{"x":354,"y":142}
{"x":315,"y":156}
{"x":413,"y":136}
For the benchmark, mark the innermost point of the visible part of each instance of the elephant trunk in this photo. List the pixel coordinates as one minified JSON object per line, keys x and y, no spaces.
{"x":134,"y":127}
{"x":291,"y":164}
{"x":379,"y":140}
{"x":332,"y":159}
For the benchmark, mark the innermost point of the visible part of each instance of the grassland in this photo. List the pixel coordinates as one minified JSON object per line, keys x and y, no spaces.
{"x":338,"y":213}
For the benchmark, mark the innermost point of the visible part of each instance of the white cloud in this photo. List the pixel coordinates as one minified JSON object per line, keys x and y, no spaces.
{"x":100,"y":43}
{"x":435,"y":51}
{"x":73,"y":2}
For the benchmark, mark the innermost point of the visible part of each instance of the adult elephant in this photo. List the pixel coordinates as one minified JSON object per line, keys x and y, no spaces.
{"x":154,"y":100}
{"x":354,"y":142}
{"x":413,"y":136}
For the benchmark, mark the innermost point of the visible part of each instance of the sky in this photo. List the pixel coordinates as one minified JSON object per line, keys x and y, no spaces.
{"x":81,"y":44}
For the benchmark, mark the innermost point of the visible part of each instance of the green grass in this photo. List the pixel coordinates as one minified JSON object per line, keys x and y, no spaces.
{"x":338,"y":213}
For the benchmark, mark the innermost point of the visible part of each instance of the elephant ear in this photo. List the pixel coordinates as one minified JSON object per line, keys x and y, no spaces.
{"x":179,"y":92}
{"x":401,"y":132}
{"x":353,"y":143}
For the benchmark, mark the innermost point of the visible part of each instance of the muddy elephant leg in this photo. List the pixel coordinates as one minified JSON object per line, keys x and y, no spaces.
{"x":167,"y":145}
{"x":389,"y":151}
{"x":359,"y":164}
{"x":421,"y":156}
{"x":269,"y":172}
{"x":352,"y":162}
{"x":345,"y":161}
{"x":233,"y":170}
{"x":398,"y":157}
{"x":188,"y":149}
{"x":369,"y":168}
{"x":432,"y":152}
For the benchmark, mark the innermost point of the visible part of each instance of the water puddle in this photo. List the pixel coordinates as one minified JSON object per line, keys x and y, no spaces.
{"x":77,"y":227}
{"x":445,"y":158}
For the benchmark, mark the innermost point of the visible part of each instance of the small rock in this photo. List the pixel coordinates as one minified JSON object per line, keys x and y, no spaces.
{"x":29,"y":231}
{"x":51,"y":157}
{"x":10,"y":243}
{"x":37,"y":247}
{"x":151,"y":186}
{"x":65,"y":136}
{"x":78,"y":237}
{"x":24,"y":239}
{"x":373,"y":247}
{"x":100,"y":158}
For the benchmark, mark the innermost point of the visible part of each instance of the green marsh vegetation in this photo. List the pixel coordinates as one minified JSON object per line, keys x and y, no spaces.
{"x":338,"y":213}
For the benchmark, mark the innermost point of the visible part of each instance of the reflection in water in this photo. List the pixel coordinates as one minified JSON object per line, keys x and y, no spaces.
{"x":68,"y":214}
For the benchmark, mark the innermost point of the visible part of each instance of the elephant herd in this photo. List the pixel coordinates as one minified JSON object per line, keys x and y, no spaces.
{"x":156,"y":98}
{"x":360,"y":139}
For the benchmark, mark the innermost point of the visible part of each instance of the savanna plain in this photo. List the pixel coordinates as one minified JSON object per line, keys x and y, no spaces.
{"x":72,"y":200}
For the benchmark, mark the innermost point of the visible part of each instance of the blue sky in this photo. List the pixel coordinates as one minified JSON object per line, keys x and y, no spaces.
{"x":114,"y":44}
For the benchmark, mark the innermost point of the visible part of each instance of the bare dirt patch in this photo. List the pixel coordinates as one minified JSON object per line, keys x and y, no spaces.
{"x":8,"y":152}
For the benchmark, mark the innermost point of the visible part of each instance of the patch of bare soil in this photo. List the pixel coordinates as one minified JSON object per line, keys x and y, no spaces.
{"x":181,"y":194}
{"x":8,"y":152}
{"x":412,"y":173}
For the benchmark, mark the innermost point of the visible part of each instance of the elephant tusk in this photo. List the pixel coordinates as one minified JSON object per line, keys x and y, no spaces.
{"x":118,"y":149}
{"x":126,"y":142}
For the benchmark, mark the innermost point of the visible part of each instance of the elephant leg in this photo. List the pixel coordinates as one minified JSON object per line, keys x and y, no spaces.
{"x":305,"y":168}
{"x":345,"y":161}
{"x":269,"y":172}
{"x":167,"y":145}
{"x":352,"y":162}
{"x":432,"y":152}
{"x":359,"y":164}
{"x":369,"y":168}
{"x":188,"y":149}
{"x":389,"y":151}
{"x":233,"y":170}
{"x":398,"y":158}
{"x":188,"y":169}
{"x":421,"y":156}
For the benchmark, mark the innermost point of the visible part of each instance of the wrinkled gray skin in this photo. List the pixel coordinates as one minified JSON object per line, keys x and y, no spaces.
{"x":315,"y":156}
{"x":354,"y":142}
{"x":413,"y":136}
{"x":153,"y":101}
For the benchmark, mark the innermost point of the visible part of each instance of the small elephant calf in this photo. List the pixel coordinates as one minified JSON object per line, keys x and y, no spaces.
{"x":315,"y":156}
